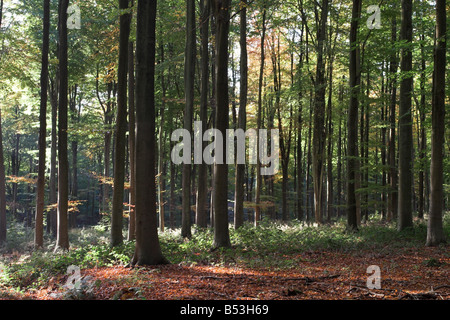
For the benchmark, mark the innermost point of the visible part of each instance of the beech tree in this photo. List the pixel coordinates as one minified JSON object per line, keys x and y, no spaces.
{"x":405,"y":147}
{"x":2,"y":170}
{"x":39,"y":225}
{"x":242,"y":115}
{"x":318,"y":154}
{"x":222,"y":16}
{"x":352,"y":123}
{"x":147,"y":249}
{"x":121,"y":127}
{"x":62,"y":238}
{"x":189,"y":74}
{"x":202,"y":189}
{"x":435,"y":231}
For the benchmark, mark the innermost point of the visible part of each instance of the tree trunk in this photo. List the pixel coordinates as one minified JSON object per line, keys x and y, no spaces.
{"x":62,"y":238}
{"x":352,"y":123}
{"x":51,"y":220}
{"x":147,"y":249}
{"x":242,"y":116}
{"x":435,"y":231}
{"x":422,"y":133}
{"x":189,"y":74}
{"x":202,"y":190}
{"x":405,"y":124}
{"x":222,"y":15}
{"x":258,"y":186}
{"x":39,"y":219}
{"x":393,"y":196}
{"x":121,"y":129}
{"x":131,"y":142}
{"x":161,"y":147}
{"x":2,"y":172}
{"x":318,"y":150}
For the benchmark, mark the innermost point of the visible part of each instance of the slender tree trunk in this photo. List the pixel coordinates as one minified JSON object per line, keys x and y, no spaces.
{"x":39,"y":219}
{"x":422,"y":133}
{"x":53,"y":198}
{"x":242,"y":116}
{"x":405,"y":123}
{"x":352,"y":123}
{"x":131,"y":142}
{"x":121,"y":129}
{"x":161,"y":147}
{"x":435,"y":231}
{"x":222,"y":15}
{"x":75,"y":117}
{"x":147,"y":249}
{"x":189,"y":74}
{"x":202,"y":190}
{"x":258,"y":186}
{"x":318,"y":151}
{"x":393,"y":178}
{"x":2,"y":171}
{"x":62,"y":238}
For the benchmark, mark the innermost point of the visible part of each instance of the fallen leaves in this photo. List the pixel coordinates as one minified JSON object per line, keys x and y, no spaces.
{"x":328,"y":275}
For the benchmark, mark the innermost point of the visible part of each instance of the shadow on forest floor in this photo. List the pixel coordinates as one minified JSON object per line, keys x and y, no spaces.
{"x":271,"y":262}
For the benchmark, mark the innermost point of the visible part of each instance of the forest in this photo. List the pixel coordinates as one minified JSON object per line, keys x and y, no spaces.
{"x":224,"y":150}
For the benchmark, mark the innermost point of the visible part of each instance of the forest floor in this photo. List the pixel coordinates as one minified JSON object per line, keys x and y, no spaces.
{"x":330,"y":272}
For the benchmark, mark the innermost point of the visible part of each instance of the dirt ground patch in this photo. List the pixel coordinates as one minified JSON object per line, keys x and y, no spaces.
{"x":407,"y":275}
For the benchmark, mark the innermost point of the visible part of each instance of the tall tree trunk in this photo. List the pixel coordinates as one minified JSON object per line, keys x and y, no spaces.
{"x":189,"y":74}
{"x":352,"y":123}
{"x":202,"y":190}
{"x":300,"y":171}
{"x":222,"y":16}
{"x":435,"y":231}
{"x":422,"y":133}
{"x":147,"y":249}
{"x":2,"y":172}
{"x":330,"y":198}
{"x":161,"y":146}
{"x":242,"y":116}
{"x":131,"y":142}
{"x":75,"y":117}
{"x":405,"y":123}
{"x":258,"y":186}
{"x":318,"y":150}
{"x":62,"y":238}
{"x":39,"y":219}
{"x":393,"y":178}
{"x":121,"y":128}
{"x":53,"y":198}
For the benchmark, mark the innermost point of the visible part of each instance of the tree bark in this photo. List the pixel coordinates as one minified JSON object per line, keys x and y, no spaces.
{"x":222,"y":15}
{"x":318,"y":150}
{"x":161,"y":147}
{"x":147,"y":249}
{"x":202,"y":190}
{"x":405,"y":123}
{"x":435,"y":231}
{"x":121,"y":128}
{"x":62,"y":238}
{"x":258,"y":186}
{"x":2,"y":172}
{"x":189,"y":74}
{"x":393,"y":177}
{"x":53,"y":197}
{"x":352,"y":123}
{"x":39,"y":219}
{"x":131,"y":142}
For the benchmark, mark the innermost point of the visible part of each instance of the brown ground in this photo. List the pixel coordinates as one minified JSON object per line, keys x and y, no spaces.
{"x":410,"y":274}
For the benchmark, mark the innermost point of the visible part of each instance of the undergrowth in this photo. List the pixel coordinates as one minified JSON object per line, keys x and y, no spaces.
{"x":270,"y":245}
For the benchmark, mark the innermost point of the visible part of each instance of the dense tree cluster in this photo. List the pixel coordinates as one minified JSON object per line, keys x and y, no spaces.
{"x":357,"y":90}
